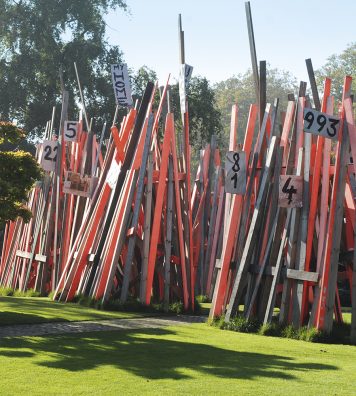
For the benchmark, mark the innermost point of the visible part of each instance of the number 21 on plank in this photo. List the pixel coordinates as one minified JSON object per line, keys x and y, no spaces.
{"x":321,"y":124}
{"x":235,"y":171}
{"x":49,"y":155}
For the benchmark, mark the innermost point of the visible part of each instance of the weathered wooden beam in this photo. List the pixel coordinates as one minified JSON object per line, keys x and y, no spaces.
{"x":24,"y":255}
{"x":313,"y":85}
{"x":137,"y":207}
{"x":253,"y":230}
{"x":278,"y":267}
{"x":168,"y":241}
{"x":253,"y":55}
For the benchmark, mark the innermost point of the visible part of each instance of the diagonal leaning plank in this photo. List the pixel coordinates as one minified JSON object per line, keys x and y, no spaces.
{"x":253,"y":230}
{"x":158,"y":208}
{"x":137,"y":205}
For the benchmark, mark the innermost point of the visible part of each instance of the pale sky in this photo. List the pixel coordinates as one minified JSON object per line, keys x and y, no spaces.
{"x":216,"y":41}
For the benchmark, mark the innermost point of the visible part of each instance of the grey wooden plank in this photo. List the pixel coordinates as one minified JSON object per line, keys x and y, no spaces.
{"x":147,"y":227}
{"x":253,"y":55}
{"x":277,"y":233}
{"x":300,"y":262}
{"x":137,"y":206}
{"x":24,"y":255}
{"x":58,"y":176}
{"x":262,"y":266}
{"x":200,"y":270}
{"x":41,"y":258}
{"x":168,"y":241}
{"x":121,"y":238}
{"x":272,"y":295}
{"x":292,"y":248}
{"x":302,"y":275}
{"x":268,"y":271}
{"x":313,"y":85}
{"x":339,"y":218}
{"x":262,"y":88}
{"x":211,"y":229}
{"x":247,"y":199}
{"x":253,"y":230}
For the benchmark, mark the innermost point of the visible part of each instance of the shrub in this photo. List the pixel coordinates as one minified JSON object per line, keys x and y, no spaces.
{"x":202,"y":298}
{"x":19,"y":293}
{"x":270,"y":329}
{"x":290,"y":332}
{"x":176,"y":307}
{"x":314,"y":335}
{"x":32,"y":293}
{"x":243,"y":325}
{"x":51,"y":294}
{"x":6,"y":291}
{"x":218,"y":322}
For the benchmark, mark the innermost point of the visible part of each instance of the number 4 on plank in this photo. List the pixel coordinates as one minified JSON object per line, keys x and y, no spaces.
{"x":49,"y":155}
{"x":235,"y":172}
{"x":290,"y":191}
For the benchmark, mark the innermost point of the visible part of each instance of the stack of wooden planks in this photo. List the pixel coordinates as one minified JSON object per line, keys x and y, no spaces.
{"x":271,"y":226}
{"x":283,"y":235}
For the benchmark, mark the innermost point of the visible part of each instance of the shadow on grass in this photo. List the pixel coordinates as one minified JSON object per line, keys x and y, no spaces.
{"x":17,"y":310}
{"x":13,"y":318}
{"x":152,"y":355}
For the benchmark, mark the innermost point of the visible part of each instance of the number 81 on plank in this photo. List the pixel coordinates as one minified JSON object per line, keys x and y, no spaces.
{"x":235,"y":172}
{"x":321,"y":124}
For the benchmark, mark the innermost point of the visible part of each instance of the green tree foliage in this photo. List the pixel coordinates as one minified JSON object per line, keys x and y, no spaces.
{"x":140,"y":79}
{"x":18,"y":172}
{"x":39,"y":37}
{"x":336,"y":68}
{"x":240,"y":89}
{"x":204,"y":116}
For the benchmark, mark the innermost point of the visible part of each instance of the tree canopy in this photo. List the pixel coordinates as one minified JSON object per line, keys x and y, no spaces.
{"x":18,"y":172}
{"x":336,"y":68}
{"x":240,"y":89}
{"x":37,"y":39}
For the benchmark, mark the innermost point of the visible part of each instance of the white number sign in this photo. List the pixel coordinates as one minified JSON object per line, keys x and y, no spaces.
{"x":121,"y":84}
{"x":235,"y":172}
{"x":322,"y":124}
{"x":49,"y":155}
{"x":71,"y":131}
{"x":290,"y":191}
{"x":185,"y":73}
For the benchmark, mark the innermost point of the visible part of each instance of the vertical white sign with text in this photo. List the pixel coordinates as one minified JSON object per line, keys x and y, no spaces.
{"x":121,"y":84}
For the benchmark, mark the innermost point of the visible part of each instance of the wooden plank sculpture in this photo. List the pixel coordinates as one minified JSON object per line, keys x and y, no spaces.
{"x":127,"y":222}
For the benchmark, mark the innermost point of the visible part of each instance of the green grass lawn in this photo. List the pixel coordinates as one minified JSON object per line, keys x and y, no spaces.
{"x":24,"y":310}
{"x":194,"y":360}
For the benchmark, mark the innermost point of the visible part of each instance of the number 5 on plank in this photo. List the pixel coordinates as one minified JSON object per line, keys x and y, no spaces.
{"x":70,"y":131}
{"x":235,"y":172}
{"x":49,"y":155}
{"x":290,"y":191}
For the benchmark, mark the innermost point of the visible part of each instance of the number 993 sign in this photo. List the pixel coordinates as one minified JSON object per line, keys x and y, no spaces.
{"x":321,"y":124}
{"x":235,"y":172}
